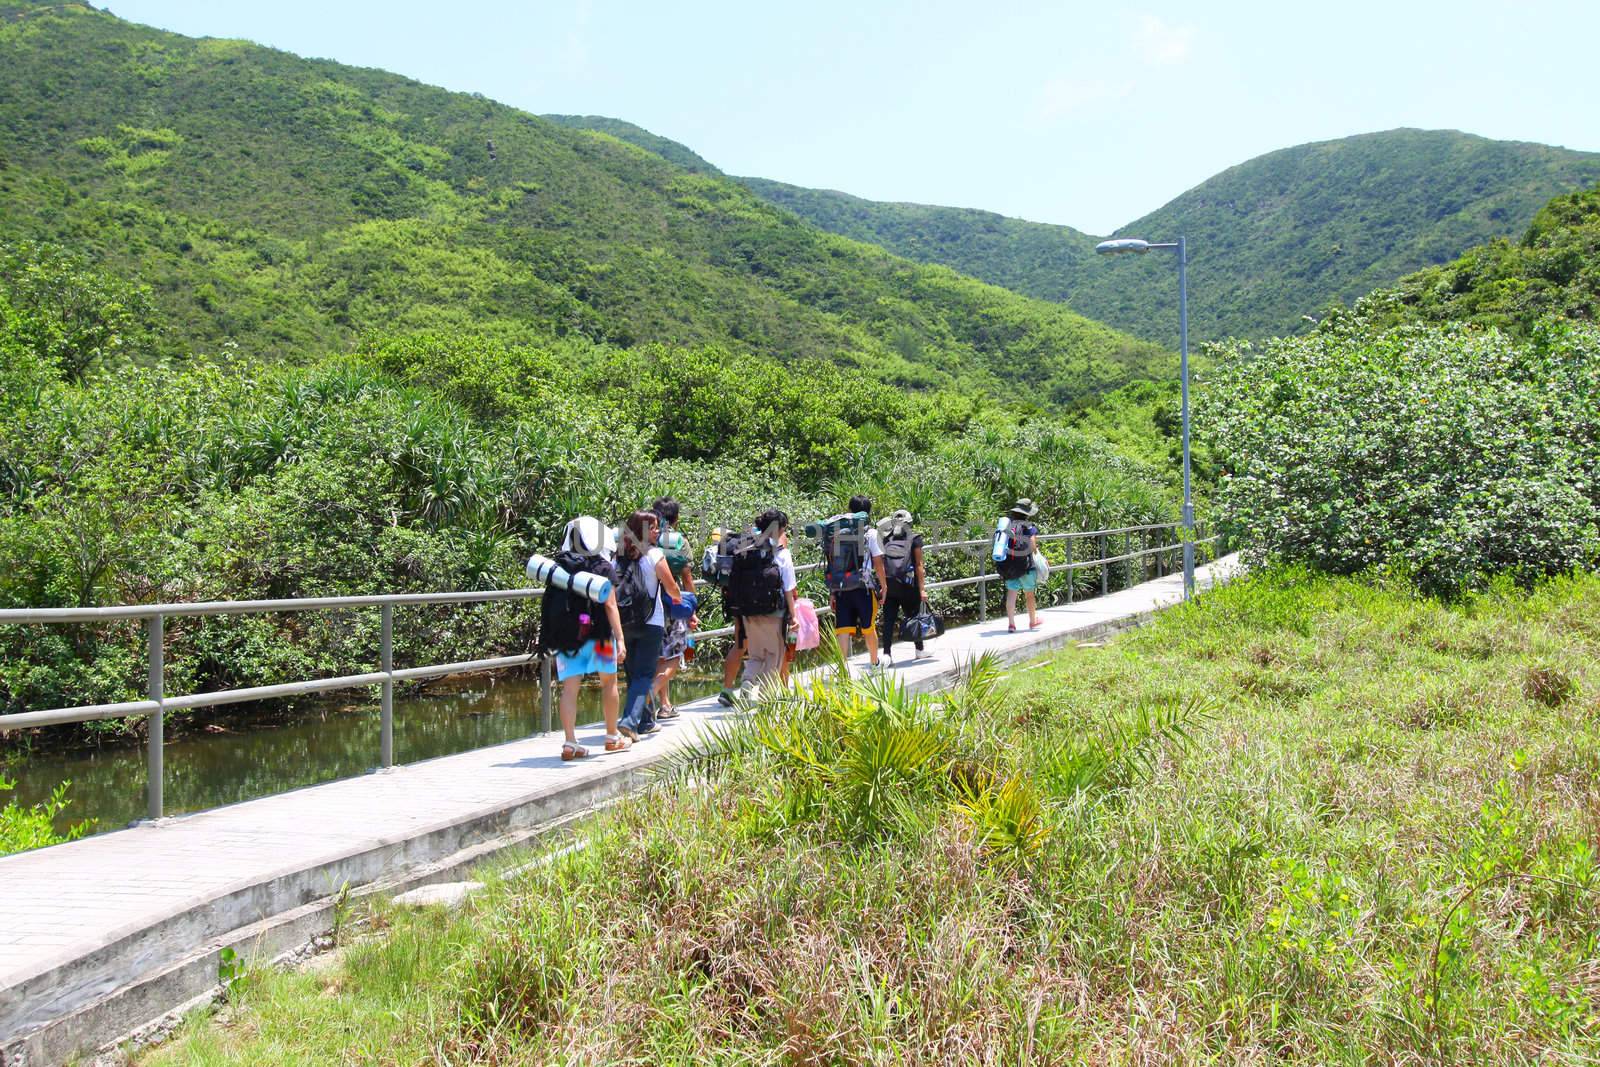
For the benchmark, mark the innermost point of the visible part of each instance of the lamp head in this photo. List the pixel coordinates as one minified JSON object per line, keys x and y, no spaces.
{"x":1122,"y":244}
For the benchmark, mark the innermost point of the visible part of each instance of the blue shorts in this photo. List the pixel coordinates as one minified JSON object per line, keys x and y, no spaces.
{"x":1026,"y":584}
{"x":592,"y":658}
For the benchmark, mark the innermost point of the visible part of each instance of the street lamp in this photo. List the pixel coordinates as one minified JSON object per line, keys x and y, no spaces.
{"x":1134,"y":244}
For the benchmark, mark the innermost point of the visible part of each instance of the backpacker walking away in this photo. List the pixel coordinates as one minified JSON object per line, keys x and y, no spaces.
{"x":586,"y":636}
{"x":852,"y":562}
{"x":1016,"y":542}
{"x":766,"y":577}
{"x":644,"y":584}
{"x":683,"y":618}
{"x":905,"y":587}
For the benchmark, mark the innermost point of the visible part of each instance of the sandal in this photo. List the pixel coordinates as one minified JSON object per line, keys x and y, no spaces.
{"x":571,"y":750}
{"x":1035,"y":624}
{"x":1011,"y":628}
{"x":616,"y":743}
{"x":667,"y":712}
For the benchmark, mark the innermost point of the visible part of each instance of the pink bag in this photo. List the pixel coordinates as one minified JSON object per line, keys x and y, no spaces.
{"x":810,"y":636}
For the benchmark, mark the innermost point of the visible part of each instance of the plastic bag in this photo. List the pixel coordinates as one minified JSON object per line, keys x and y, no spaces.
{"x":1041,"y":567}
{"x":810,"y":627}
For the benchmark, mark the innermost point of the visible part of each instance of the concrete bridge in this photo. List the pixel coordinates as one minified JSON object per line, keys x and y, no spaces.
{"x":101,"y":936}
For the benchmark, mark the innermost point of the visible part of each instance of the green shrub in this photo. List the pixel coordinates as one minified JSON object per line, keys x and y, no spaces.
{"x":1452,"y":454}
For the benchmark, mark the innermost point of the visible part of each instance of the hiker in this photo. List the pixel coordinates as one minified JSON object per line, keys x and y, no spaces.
{"x":764,"y":577}
{"x":853,"y":568}
{"x":586,"y":639}
{"x":906,"y":585}
{"x":1021,"y":539}
{"x":675,"y":643}
{"x":644,"y":581}
{"x":715,"y":567}
{"x":791,"y":632}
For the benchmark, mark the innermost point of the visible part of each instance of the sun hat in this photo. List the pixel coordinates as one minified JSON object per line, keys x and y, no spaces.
{"x":1024,"y":509}
{"x":896,"y":521}
{"x":589,"y":536}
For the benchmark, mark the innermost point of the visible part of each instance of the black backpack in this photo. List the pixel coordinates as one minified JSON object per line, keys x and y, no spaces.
{"x":900,"y":559}
{"x":567,"y":620}
{"x":844,"y":552}
{"x":1019,"y":550}
{"x":635,"y":605}
{"x":755,"y":584}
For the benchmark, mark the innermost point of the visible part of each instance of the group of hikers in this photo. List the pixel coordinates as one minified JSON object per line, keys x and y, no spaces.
{"x":875,"y":574}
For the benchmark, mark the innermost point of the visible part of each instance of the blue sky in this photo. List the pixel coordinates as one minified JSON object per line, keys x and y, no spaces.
{"x":1077,"y":113}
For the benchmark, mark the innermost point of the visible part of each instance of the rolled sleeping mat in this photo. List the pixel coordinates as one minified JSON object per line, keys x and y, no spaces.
{"x":998,"y":550}
{"x":814,"y":529}
{"x":589,"y":586}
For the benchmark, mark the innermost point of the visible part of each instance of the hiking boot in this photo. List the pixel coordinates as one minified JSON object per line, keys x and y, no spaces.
{"x":725,"y":698}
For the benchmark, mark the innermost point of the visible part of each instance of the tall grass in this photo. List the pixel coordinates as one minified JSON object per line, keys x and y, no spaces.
{"x":1306,"y":820}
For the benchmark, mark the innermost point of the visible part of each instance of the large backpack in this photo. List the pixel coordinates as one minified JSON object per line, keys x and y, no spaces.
{"x":566,"y":619}
{"x":635,"y":604}
{"x":755,"y":584}
{"x":1019,"y":550}
{"x":900,"y":559}
{"x":716,"y":564}
{"x":844,"y":552}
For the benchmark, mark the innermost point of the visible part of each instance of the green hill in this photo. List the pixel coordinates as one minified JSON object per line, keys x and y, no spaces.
{"x":1272,"y":240}
{"x":1553,"y":270}
{"x":290,"y":205}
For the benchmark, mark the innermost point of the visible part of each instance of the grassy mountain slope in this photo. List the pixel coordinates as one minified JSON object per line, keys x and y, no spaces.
{"x":1272,"y":239}
{"x":670,"y":150}
{"x":1552,"y":271}
{"x":289,"y":205}
{"x":1282,"y":235}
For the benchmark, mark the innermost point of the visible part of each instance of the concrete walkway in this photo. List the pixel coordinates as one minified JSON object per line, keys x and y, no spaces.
{"x":100,"y":935}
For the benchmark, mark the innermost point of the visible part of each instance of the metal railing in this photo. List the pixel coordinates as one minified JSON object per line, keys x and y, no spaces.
{"x":157,"y":703}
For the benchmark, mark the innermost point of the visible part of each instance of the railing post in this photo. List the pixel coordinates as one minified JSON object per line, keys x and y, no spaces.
{"x":983,"y":600}
{"x":1072,"y":575}
{"x":1127,"y":567}
{"x":156,"y":722}
{"x":386,"y":665}
{"x":1105,"y":568}
{"x":546,"y":692}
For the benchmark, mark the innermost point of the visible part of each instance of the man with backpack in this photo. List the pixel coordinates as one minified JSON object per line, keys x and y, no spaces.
{"x":853,"y":569}
{"x":905,"y":588}
{"x":1016,"y":565}
{"x":758,"y":594}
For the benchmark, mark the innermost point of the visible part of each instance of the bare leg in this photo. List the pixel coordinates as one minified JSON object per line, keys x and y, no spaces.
{"x":1011,"y":608}
{"x":608,"y":702}
{"x":665,"y":672}
{"x":731,"y":665}
{"x":844,"y":643}
{"x":569,"y":708}
{"x":1033,"y":609}
{"x":869,"y":636}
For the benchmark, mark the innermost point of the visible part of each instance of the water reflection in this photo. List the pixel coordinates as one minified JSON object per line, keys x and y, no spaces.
{"x":240,"y":758}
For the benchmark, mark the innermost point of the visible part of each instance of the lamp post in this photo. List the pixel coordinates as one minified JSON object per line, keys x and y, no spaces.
{"x":1180,"y":246}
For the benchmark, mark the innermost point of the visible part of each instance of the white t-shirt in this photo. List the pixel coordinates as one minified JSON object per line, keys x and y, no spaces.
{"x":786,"y":569}
{"x":652,"y":584}
{"x":872,"y":544}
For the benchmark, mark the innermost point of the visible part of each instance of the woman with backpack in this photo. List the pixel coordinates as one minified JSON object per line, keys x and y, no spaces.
{"x":675,"y":642}
{"x":905,"y":577}
{"x":643,"y":575}
{"x":586,"y":638}
{"x":1021,"y":538}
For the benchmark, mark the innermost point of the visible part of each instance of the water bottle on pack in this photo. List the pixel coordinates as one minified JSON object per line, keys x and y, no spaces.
{"x":998,"y":551}
{"x":549,"y":572}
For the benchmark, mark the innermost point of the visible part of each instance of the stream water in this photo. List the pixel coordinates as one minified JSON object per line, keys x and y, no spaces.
{"x":240,"y":757}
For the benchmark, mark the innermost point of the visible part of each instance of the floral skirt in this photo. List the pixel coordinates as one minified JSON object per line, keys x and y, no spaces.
{"x":676,"y":641}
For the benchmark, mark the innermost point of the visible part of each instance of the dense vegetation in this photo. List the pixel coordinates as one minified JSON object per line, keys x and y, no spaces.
{"x":426,"y":461}
{"x":1452,"y":454}
{"x":1306,"y":820}
{"x":294,"y":206}
{"x":1271,"y":240}
{"x":1552,"y":272}
{"x":1448,"y":427}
